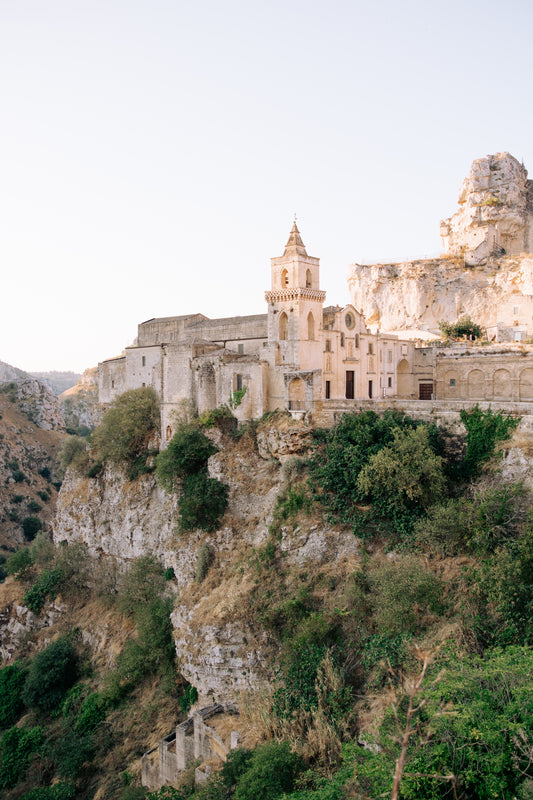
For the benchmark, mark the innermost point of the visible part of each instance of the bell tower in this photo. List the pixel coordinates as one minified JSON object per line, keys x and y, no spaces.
{"x":295,"y":304}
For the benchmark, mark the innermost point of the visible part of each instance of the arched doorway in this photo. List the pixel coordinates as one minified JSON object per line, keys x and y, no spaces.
{"x":404,"y":378}
{"x":297,"y":395}
{"x":476,"y":385}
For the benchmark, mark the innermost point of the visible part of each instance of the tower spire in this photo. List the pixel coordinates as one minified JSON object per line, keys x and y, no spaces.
{"x":294,"y":242}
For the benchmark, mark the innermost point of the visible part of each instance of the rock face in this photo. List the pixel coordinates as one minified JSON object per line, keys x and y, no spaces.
{"x":220,"y":646}
{"x":418,"y":294}
{"x":79,"y":403}
{"x":495,"y":211}
{"x":486,"y":273}
{"x":40,"y":405}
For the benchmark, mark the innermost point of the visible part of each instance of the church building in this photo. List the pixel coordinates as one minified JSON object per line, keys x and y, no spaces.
{"x":300,"y":355}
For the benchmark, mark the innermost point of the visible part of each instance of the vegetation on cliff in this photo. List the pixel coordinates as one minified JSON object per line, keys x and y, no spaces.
{"x":402,"y":673}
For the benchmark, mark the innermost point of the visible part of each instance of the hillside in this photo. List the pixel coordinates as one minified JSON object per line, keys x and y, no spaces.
{"x":28,"y":472}
{"x":320,"y":636}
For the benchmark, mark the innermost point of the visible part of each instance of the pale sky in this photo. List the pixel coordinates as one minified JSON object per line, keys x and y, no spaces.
{"x":154,"y":152}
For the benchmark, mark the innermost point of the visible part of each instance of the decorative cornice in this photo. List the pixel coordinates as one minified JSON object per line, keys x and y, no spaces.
{"x":288,"y":294}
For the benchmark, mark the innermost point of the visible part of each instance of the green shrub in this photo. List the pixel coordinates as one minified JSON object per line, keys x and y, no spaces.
{"x":402,"y":594}
{"x":272,"y":770}
{"x":31,"y":527}
{"x":16,"y":748}
{"x":236,"y":764}
{"x":143,"y":582}
{"x":46,"y":586}
{"x":44,"y":472}
{"x":18,"y":476}
{"x":391,"y":461}
{"x":203,"y":561}
{"x":152,"y":652}
{"x":169,"y":574}
{"x":73,"y":452}
{"x":44,"y":495}
{"x":464,"y":328}
{"x":52,"y":672}
{"x":17,"y":498}
{"x":186,"y":454}
{"x":19,"y":563}
{"x":127,"y":426}
{"x":220,"y":418}
{"x":203,"y":502}
{"x":34,"y":506}
{"x":70,"y":751}
{"x":59,"y":791}
{"x":188,"y":698}
{"x":484,"y":429}
{"x":12,"y":680}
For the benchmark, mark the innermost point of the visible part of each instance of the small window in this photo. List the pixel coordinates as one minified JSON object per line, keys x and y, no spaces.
{"x":328,"y":345}
{"x":349,"y":321}
{"x":370,"y":348}
{"x":144,"y":385}
{"x":328,"y":390}
{"x":452,"y":381}
{"x":308,"y":280}
{"x":112,"y":384}
{"x":284,"y":278}
{"x":389,"y":356}
{"x":240,"y":348}
{"x":169,"y":433}
{"x":342,"y":339}
{"x":238,"y":382}
{"x":357,"y":340}
{"x":144,"y":361}
{"x":389,"y":382}
{"x":516,"y":310}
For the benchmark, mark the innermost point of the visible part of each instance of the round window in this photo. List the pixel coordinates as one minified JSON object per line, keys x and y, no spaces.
{"x":349,"y":320}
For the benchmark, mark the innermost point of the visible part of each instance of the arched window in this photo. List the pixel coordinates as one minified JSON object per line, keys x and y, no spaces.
{"x":284,"y":279}
{"x":310,"y":326}
{"x":308,"y":279}
{"x":169,"y":433}
{"x":283,"y":326}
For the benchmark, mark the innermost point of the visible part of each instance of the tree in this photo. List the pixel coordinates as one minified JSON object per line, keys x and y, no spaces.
{"x":464,"y":328}
{"x":51,"y":673}
{"x":127,"y":426}
{"x":186,"y":454}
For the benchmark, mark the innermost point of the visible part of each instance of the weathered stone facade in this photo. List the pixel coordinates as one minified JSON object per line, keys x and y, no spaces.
{"x":294,"y":356}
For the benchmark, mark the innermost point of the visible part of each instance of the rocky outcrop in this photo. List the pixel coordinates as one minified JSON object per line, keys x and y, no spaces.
{"x":419,"y":294}
{"x":495,"y":211}
{"x":79,"y":403}
{"x":40,"y":405}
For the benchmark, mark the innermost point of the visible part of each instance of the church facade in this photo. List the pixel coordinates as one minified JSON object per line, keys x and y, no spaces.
{"x":297,"y":355}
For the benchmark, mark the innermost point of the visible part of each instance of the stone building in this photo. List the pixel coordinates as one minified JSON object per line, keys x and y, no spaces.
{"x":295,"y":356}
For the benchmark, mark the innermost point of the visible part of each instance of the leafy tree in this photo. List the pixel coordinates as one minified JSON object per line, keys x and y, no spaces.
{"x":73,"y":451}
{"x":403,"y":478}
{"x":46,"y":585}
{"x":127,"y":426}
{"x":203,"y":502}
{"x":31,"y":527}
{"x":59,"y":791}
{"x":464,"y":328}
{"x":186,"y":454}
{"x":51,"y":673}
{"x":273,"y":770}
{"x":141,"y":584}
{"x":19,"y":563}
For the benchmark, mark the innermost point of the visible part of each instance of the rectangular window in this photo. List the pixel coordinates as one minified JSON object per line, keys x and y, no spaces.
{"x":370,"y":348}
{"x":240,"y":348}
{"x":370,"y":389}
{"x":342,"y":339}
{"x":357,"y":339}
{"x":389,"y":382}
{"x":328,"y":390}
{"x":452,"y":381}
{"x":144,"y":361}
{"x":112,"y":384}
{"x":350,"y":384}
{"x":328,"y":345}
{"x":389,"y":356}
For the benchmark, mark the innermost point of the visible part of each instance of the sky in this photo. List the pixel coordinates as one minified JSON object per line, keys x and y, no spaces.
{"x":153,"y":153}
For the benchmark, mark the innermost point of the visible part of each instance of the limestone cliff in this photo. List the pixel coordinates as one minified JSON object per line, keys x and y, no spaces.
{"x":220,"y":647}
{"x":418,"y":294}
{"x":486,"y":271}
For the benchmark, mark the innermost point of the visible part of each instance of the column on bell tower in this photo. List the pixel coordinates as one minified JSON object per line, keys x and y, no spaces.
{"x":295,"y":305}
